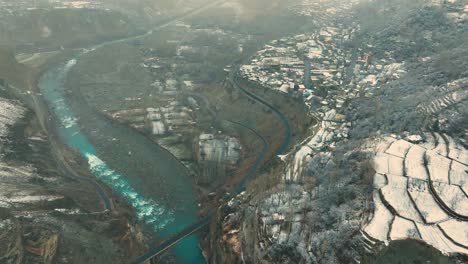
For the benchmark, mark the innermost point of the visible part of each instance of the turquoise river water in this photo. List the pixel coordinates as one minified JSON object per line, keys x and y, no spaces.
{"x":164,"y":220}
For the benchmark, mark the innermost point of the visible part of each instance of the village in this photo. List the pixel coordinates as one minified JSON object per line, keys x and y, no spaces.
{"x":419,"y":187}
{"x":318,"y":69}
{"x":178,"y":119}
{"x":370,"y":152}
{"x":207,"y":152}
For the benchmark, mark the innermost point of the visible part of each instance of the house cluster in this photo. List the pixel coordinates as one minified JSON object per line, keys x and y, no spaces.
{"x":298,"y":65}
{"x":319,"y":10}
{"x":219,"y":148}
{"x":319,"y":69}
{"x":309,"y":65}
{"x":159,"y":120}
{"x":369,"y":73}
{"x":277,"y":66}
{"x":325,"y":57}
{"x":366,"y":75}
{"x":163,"y":81}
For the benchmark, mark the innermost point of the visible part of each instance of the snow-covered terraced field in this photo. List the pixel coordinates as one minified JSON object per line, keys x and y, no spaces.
{"x":447,"y":100}
{"x":420,"y":193}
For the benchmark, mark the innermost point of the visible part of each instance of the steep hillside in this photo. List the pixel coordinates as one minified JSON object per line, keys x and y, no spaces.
{"x":403,"y":75}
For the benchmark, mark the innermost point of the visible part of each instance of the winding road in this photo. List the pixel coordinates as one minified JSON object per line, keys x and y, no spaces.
{"x":234,"y":80}
{"x":186,"y":232}
{"x":41,"y":110}
{"x":191,"y":229}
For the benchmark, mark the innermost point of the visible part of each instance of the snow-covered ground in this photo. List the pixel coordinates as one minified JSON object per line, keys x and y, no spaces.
{"x":219,"y":148}
{"x":324,"y":137}
{"x":10,"y":113}
{"x":405,"y":206}
{"x":15,"y":177}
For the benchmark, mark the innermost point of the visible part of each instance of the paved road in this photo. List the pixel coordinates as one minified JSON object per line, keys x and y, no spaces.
{"x":186,"y":232}
{"x":41,"y":110}
{"x":234,"y":79}
{"x":43,"y":114}
{"x":168,"y":243}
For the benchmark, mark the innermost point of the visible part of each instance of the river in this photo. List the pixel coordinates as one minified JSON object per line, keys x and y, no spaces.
{"x":154,"y":183}
{"x":157,"y":186}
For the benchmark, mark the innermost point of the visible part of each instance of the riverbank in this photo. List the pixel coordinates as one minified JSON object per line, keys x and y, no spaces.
{"x":50,"y":118}
{"x":166,"y":207}
{"x":114,"y":146}
{"x":62,"y":206}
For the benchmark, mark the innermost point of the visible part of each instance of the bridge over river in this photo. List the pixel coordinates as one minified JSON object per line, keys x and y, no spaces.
{"x":193,"y":228}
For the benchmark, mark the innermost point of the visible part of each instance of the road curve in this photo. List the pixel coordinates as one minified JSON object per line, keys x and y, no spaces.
{"x":189,"y":230}
{"x":41,"y":110}
{"x":186,"y":232}
{"x":233,"y":78}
